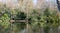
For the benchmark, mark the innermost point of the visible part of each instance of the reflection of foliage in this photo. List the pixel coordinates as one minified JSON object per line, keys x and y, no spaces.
{"x":20,"y":26}
{"x":46,"y":29}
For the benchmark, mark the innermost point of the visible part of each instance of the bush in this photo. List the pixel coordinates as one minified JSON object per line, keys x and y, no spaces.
{"x":4,"y":21}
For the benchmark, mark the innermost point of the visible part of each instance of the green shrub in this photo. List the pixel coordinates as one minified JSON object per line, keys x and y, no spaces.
{"x":4,"y":21}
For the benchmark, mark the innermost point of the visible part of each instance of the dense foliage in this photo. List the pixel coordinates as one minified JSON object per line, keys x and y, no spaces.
{"x":47,"y":19}
{"x":37,"y":19}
